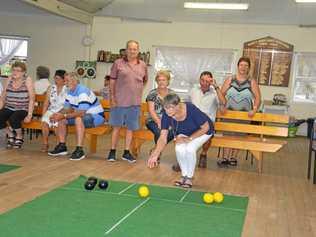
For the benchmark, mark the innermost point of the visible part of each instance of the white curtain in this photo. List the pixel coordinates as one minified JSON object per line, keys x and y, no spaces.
{"x":304,"y":79}
{"x":186,"y":64}
{"x":8,"y":47}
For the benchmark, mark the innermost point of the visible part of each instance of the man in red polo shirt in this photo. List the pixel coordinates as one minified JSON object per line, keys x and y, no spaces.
{"x":128,"y":77}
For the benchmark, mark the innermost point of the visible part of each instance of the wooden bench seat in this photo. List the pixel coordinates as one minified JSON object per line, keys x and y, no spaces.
{"x":256,"y":133}
{"x":248,"y":143}
{"x":255,"y":145}
{"x":91,"y":134}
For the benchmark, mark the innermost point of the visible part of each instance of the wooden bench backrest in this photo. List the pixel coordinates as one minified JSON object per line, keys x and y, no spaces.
{"x":38,"y":106}
{"x":106,"y":106}
{"x":263,"y":124}
{"x":259,"y":117}
{"x":143,"y":114}
{"x":259,"y":124}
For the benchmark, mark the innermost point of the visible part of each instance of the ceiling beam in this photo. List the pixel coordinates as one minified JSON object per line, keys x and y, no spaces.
{"x":62,"y":9}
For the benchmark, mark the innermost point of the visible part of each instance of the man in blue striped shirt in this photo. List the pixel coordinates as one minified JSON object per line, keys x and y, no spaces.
{"x":81,"y":109}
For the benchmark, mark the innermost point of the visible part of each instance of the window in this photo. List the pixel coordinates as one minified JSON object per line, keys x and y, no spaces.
{"x":12,"y":48}
{"x":304,"y":78}
{"x":186,"y":65}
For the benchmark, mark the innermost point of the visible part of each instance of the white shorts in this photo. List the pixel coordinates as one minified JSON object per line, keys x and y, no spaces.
{"x":45,"y":119}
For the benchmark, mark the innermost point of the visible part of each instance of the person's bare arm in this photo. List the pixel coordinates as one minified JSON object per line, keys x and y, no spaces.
{"x":67,"y":114}
{"x":97,"y":93}
{"x":203,"y":130}
{"x":257,"y":97}
{"x":161,"y":143}
{"x":145,"y":79}
{"x":112,"y":92}
{"x":30,"y":89}
{"x":46,"y":102}
{"x":223,"y":91}
{"x":256,"y":91}
{"x":3,"y":95}
{"x":220,"y":96}
{"x":226,"y":86}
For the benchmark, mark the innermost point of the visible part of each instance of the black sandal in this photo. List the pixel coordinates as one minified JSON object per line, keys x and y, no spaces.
{"x":223,"y":163}
{"x":232,"y":161}
{"x":180,"y":182}
{"x":18,"y":143}
{"x":187,"y":183}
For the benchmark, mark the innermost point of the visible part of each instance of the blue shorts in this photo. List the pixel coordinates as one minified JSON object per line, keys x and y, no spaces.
{"x":125,"y":116}
{"x":89,"y":120}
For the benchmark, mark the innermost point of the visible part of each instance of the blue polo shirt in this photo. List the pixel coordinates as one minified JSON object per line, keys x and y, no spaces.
{"x":193,"y":122}
{"x":82,"y":98}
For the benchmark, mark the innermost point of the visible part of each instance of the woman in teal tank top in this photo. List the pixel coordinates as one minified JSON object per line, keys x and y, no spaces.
{"x":242,"y":94}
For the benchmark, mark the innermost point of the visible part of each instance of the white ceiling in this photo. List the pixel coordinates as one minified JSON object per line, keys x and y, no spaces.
{"x":17,"y":7}
{"x":90,"y":6}
{"x":260,"y":11}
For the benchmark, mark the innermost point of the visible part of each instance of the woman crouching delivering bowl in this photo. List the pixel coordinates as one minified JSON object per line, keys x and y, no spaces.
{"x":191,"y":129}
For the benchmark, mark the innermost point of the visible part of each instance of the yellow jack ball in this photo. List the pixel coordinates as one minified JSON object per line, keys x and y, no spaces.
{"x":218,"y":197}
{"x":143,"y":191}
{"x":208,"y":198}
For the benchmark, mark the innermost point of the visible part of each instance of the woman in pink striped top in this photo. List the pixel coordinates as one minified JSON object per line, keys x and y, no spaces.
{"x":16,"y":104}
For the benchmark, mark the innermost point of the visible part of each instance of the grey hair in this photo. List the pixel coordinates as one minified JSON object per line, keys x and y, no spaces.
{"x":42,"y":72}
{"x":171,"y":99}
{"x":73,"y":75}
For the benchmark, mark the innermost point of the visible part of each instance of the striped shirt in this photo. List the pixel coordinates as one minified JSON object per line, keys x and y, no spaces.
{"x":82,"y":98}
{"x":17,"y":98}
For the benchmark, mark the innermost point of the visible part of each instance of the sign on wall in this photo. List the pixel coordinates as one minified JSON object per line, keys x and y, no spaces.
{"x":270,"y":59}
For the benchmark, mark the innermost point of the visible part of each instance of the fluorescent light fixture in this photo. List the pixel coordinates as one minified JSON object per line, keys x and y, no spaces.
{"x":216,"y":5}
{"x":305,"y":1}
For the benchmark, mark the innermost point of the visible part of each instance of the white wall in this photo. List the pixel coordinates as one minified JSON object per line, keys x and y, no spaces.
{"x":54,"y":41}
{"x":112,"y":34}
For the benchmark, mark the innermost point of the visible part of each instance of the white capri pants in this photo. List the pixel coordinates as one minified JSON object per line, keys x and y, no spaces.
{"x":186,"y":154}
